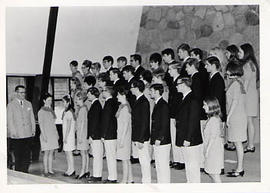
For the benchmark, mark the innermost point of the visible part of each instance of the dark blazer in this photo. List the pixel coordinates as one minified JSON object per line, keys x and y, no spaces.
{"x":175,"y":98}
{"x":160,"y":129}
{"x":130,"y":97}
{"x":108,"y":122}
{"x":188,"y":122}
{"x":93,"y":116}
{"x":197,"y":90}
{"x":217,"y":89}
{"x":204,"y":76}
{"x":140,"y":117}
{"x":138,"y":72}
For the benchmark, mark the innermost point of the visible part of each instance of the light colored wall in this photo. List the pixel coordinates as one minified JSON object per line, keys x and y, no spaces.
{"x":82,"y":33}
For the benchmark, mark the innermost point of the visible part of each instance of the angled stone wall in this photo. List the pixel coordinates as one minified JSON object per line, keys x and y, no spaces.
{"x":199,"y":26}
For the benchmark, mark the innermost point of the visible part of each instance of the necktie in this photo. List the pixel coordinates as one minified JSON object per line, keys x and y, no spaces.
{"x":21,"y":103}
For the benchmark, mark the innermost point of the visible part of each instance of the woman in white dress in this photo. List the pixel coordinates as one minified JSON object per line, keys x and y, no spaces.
{"x":123,"y":116}
{"x":69,"y":134}
{"x":250,"y":78}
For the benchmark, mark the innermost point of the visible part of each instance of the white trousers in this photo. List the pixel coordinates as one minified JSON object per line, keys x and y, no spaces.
{"x":162,"y":160}
{"x":144,"y":159}
{"x":110,"y":151}
{"x":202,"y":122}
{"x":192,"y":163}
{"x":176,"y":151}
{"x":97,"y":151}
{"x":134,"y":150}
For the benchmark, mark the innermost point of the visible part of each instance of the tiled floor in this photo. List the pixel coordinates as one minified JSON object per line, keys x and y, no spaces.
{"x":251,"y":166}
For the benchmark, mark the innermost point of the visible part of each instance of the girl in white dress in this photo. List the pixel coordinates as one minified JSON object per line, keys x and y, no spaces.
{"x":81,"y":129}
{"x":69,"y":134}
{"x":123,"y":116}
{"x":213,"y":142}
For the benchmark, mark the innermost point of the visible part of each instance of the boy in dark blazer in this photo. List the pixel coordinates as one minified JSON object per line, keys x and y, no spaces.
{"x":94,"y":133}
{"x":160,"y":134}
{"x":188,"y":131}
{"x":108,"y":124}
{"x":140,"y":117}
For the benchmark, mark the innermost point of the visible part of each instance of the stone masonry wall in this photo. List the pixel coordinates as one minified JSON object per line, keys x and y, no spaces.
{"x":204,"y":27}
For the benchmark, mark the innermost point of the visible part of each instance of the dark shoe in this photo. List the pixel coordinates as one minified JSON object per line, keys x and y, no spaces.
{"x":134,"y":160}
{"x":236,"y":174}
{"x":90,"y":155}
{"x":81,"y":177}
{"x":202,"y":170}
{"x":93,"y":179}
{"x":222,"y":172}
{"x":69,"y":175}
{"x":173,"y":164}
{"x":87,"y":174}
{"x":179,"y":166}
{"x":46,"y":174}
{"x":110,"y":181}
{"x":229,"y":148}
{"x":247,"y":149}
{"x":152,"y":161}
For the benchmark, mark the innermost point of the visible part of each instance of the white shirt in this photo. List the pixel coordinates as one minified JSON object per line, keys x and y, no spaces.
{"x":108,"y":98}
{"x":211,"y":76}
{"x":193,"y":73}
{"x":94,"y":100}
{"x":139,"y":96}
{"x":158,"y":99}
{"x":185,"y":94}
{"x":115,"y":81}
{"x":137,"y":67}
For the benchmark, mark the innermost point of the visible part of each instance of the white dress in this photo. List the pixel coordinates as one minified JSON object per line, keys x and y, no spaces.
{"x":70,"y":145}
{"x":213,"y":146}
{"x":124,"y":127}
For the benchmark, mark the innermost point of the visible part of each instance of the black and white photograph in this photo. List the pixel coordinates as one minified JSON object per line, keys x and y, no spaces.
{"x":159,"y":95}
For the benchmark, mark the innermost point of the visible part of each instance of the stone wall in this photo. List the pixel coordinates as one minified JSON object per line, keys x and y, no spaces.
{"x":200,"y":26}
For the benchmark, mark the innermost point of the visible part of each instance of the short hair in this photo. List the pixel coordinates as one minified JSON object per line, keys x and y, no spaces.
{"x":184,"y":46}
{"x":74,"y":63}
{"x":122,"y":90}
{"x":46,"y":95}
{"x":103,"y":77}
{"x":18,"y":87}
{"x":80,"y":96}
{"x":115,"y":71}
{"x":147,"y":76}
{"x":158,"y":87}
{"x":213,"y":106}
{"x":122,"y":58}
{"x":138,"y":84}
{"x":90,"y":80}
{"x":96,"y":65}
{"x":77,"y":82}
{"x":137,"y":57}
{"x":159,"y":73}
{"x":192,"y":62}
{"x":93,"y":91}
{"x":168,"y":51}
{"x":213,"y":60}
{"x":235,"y":68}
{"x":155,"y":57}
{"x":197,"y":51}
{"x":129,"y":68}
{"x":87,"y":63}
{"x":109,"y":87}
{"x":108,"y":58}
{"x":187,"y":81}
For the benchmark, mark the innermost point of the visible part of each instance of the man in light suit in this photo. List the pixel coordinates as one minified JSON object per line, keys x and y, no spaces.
{"x":160,"y":134}
{"x":140,"y":117}
{"x":21,"y":128}
{"x":188,"y":131}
